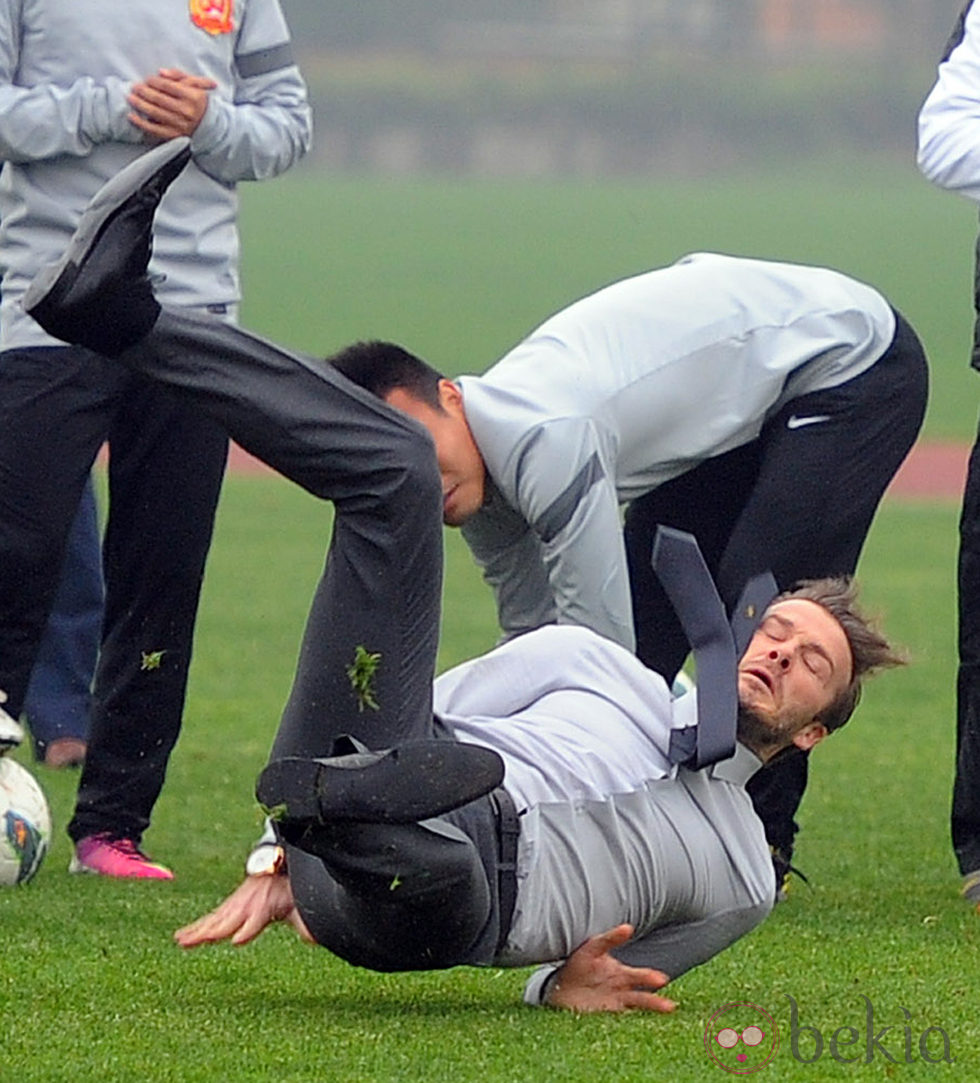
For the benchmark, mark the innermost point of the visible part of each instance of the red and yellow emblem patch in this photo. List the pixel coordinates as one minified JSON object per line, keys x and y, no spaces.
{"x":214,"y":16}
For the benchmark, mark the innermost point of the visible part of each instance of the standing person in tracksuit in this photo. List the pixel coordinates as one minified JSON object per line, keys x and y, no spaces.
{"x":761,"y":406}
{"x":84,"y":88}
{"x":949,"y":155}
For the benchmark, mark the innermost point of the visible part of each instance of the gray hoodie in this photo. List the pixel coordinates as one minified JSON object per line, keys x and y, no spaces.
{"x":65,"y":71}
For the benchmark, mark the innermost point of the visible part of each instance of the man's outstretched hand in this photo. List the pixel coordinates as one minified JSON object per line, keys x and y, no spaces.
{"x":256,"y":903}
{"x":593,"y":980}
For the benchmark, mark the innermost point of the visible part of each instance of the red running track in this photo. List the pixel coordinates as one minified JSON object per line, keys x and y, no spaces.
{"x":931,"y":472}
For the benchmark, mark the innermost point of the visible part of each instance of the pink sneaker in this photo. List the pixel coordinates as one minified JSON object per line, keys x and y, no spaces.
{"x":106,"y":856}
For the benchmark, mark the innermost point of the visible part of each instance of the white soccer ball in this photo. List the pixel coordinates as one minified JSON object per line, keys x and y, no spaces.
{"x":25,"y":823}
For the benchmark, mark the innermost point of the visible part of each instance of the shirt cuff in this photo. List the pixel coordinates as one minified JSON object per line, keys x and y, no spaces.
{"x":537,"y":985}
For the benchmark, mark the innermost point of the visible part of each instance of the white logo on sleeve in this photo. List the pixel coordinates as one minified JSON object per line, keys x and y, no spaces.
{"x":797,"y":422}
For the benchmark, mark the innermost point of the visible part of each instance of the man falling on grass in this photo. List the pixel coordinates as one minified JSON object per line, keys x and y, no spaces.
{"x":629,"y":869}
{"x":537,"y":811}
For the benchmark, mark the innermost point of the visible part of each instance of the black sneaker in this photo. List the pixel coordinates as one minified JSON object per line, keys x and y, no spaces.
{"x":98,"y":294}
{"x":783,"y":870}
{"x":411,"y":782}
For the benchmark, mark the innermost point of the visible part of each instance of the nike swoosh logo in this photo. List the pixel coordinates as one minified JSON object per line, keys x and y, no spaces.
{"x":797,"y":422}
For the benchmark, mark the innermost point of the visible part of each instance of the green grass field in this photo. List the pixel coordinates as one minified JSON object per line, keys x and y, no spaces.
{"x":92,"y":987}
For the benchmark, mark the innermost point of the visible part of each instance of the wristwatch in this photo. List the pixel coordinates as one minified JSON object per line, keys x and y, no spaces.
{"x":266,"y":859}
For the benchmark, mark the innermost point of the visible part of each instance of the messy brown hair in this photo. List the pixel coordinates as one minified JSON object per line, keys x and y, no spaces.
{"x":870,"y":650}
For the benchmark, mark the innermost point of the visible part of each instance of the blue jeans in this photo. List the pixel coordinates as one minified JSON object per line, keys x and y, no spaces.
{"x":59,"y":697}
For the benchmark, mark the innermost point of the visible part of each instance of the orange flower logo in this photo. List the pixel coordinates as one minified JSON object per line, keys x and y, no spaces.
{"x":214,"y":16}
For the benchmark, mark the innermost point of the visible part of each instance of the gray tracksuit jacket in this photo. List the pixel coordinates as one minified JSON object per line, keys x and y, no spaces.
{"x":65,"y":71}
{"x":628,"y":388}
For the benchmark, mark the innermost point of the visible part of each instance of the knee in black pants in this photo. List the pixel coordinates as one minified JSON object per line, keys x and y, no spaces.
{"x":390,"y":898}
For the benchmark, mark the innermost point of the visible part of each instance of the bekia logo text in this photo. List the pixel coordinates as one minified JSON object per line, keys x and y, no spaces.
{"x":897,"y":1043}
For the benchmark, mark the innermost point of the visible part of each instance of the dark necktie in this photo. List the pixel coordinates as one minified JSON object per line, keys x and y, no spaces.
{"x":754,"y":601}
{"x":717,"y":645}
